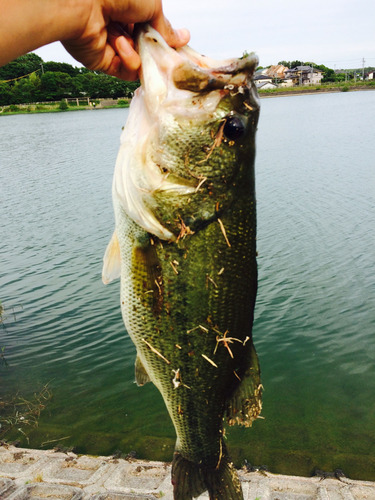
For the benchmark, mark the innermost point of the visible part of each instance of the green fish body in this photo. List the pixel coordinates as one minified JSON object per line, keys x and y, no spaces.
{"x":185,"y":246}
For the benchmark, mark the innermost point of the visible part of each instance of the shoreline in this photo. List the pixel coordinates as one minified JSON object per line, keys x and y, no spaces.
{"x":286,"y":93}
{"x":262,"y":95}
{"x":26,"y":472}
{"x":57,"y":110}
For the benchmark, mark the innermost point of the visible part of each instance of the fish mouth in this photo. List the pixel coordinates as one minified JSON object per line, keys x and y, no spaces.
{"x":168,"y":75}
{"x":179,"y":89}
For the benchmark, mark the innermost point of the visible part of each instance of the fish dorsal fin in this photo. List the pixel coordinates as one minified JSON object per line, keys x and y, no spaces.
{"x":112,"y":261}
{"x":141,"y":376}
{"x":245,"y":404}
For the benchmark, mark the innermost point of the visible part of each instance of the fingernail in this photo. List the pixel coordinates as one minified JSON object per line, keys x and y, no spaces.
{"x":183,"y":34}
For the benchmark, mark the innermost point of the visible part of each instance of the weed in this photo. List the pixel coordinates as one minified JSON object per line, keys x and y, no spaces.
{"x":3,"y":318}
{"x":38,"y":478}
{"x":63,"y":105}
{"x":20,"y":412}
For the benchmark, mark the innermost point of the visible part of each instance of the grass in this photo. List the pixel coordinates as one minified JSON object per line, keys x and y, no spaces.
{"x":19,"y":109}
{"x":343,"y":86}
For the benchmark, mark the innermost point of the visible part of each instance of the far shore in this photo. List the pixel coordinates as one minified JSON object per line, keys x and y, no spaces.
{"x":292,"y":91}
{"x":263,"y":94}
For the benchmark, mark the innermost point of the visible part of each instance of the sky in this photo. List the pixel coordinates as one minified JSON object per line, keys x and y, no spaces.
{"x":337,"y":33}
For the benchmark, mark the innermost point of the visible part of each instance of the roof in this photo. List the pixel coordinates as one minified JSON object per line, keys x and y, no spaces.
{"x":262,"y":77}
{"x":304,"y":68}
{"x":265,"y":83}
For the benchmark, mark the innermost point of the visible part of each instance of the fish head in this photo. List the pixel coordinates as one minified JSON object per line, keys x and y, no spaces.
{"x":190,"y":132}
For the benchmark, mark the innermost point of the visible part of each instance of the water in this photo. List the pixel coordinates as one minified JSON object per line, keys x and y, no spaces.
{"x":315,"y":321}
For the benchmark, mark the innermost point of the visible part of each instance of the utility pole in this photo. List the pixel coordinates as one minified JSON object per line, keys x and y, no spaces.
{"x":363,"y":69}
{"x":41,"y":64}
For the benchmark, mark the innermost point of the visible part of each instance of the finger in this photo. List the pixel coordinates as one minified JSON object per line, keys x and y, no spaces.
{"x":174,"y":38}
{"x":130,"y":60}
{"x":110,"y":61}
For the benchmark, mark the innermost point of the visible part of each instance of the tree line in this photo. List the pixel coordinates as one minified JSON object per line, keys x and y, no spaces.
{"x":30,"y":79}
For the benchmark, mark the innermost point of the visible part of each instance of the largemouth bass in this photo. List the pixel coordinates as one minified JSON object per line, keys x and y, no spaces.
{"x":185,"y":247}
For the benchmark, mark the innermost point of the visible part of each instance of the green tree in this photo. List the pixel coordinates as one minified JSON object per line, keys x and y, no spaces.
{"x":5,"y":94}
{"x":329,"y":73}
{"x":26,"y":90}
{"x":285,"y":63}
{"x":56,"y":86}
{"x":294,"y":64}
{"x":58,"y":67}
{"x":21,"y":66}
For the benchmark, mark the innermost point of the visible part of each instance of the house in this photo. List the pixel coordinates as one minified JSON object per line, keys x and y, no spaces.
{"x":304,"y":75}
{"x":261,"y":80}
{"x":371,"y":75}
{"x":266,"y":86}
{"x":287,"y":82}
{"x":276,"y":71}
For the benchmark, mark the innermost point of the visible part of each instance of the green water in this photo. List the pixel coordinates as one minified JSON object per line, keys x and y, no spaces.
{"x":315,"y":321}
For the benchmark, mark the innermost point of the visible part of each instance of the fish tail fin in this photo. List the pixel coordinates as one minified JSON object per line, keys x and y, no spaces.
{"x":190,"y":480}
{"x":187,"y":478}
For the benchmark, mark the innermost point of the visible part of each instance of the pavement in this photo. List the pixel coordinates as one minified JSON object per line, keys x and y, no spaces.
{"x":39,"y":474}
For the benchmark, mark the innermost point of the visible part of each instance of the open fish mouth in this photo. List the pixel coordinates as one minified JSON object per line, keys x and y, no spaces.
{"x":166,"y":73}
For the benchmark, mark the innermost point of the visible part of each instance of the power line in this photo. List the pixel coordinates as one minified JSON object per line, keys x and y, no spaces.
{"x":19,"y":77}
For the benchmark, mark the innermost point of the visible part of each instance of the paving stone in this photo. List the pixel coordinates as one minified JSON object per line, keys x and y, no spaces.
{"x":66,"y":476}
{"x":42,"y":491}
{"x":15,"y":462}
{"x":113,"y":495}
{"x":6,"y":486}
{"x":80,"y":471}
{"x":146,"y":476}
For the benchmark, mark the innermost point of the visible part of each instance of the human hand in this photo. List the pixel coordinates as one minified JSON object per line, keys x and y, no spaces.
{"x":105,"y":43}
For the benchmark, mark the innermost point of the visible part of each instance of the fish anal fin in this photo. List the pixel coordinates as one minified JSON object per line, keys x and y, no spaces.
{"x":245,"y":404}
{"x":146,"y":266}
{"x":112,"y":260}
{"x":141,"y":376}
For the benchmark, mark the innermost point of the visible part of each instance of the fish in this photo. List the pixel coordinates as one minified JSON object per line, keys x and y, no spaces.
{"x":185,"y":248}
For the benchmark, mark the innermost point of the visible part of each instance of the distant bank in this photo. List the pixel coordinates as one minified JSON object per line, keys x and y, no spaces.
{"x":318,"y":89}
{"x":64,"y":105}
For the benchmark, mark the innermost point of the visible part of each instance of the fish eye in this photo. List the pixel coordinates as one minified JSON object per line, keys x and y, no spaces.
{"x":234,"y":128}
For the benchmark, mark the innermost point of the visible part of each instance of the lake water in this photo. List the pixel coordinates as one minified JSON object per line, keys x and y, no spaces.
{"x":315,"y":314}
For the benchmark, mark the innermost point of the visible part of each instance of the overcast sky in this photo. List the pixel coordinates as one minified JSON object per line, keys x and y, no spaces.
{"x":337,"y":33}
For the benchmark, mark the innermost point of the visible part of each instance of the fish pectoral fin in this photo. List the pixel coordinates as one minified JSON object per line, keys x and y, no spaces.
{"x":147,"y":268}
{"x":141,"y":376}
{"x":112,"y":260}
{"x":245,"y":404}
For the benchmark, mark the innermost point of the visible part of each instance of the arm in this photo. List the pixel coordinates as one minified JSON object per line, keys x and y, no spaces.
{"x":82,"y":27}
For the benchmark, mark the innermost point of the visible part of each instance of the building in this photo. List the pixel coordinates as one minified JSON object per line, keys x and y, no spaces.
{"x":261,"y":80}
{"x":266,"y":86}
{"x":304,"y":75}
{"x":276,"y":71}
